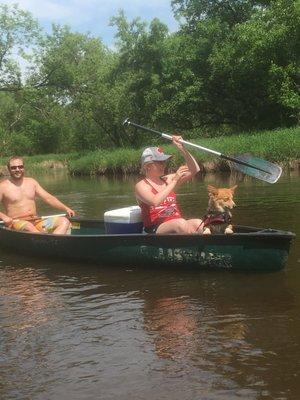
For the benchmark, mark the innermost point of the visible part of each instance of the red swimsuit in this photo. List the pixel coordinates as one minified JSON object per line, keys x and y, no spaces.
{"x":153,"y":216}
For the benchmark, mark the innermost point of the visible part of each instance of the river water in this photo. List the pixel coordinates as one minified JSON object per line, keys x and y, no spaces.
{"x":78,"y":331}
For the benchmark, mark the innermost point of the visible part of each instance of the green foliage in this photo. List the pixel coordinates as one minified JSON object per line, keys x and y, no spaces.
{"x":18,"y":30}
{"x":232,"y":66}
{"x":42,"y":163}
{"x":256,"y":68}
{"x":122,"y":161}
{"x":230,"y":11}
{"x":244,"y":74}
{"x":280,"y":145}
{"x":139,"y":68}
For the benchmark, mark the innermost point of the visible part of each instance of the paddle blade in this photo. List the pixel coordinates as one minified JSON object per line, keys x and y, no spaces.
{"x":258,"y":168}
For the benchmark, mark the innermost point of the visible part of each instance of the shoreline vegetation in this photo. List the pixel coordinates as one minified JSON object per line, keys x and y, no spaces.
{"x":225,"y":70}
{"x":281,"y":146}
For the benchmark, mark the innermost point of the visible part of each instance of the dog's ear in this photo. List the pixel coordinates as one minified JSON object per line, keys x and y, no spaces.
{"x":212,"y":189}
{"x":233,"y":188}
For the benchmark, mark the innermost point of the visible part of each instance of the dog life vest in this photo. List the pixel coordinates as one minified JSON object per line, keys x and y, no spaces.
{"x":216,"y":217}
{"x":165,"y":211}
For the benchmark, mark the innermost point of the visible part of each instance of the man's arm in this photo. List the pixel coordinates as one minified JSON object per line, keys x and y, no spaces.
{"x":52,"y":200}
{"x":5,"y":218}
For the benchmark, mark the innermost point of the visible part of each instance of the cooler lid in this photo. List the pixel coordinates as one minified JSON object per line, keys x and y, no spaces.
{"x":127,"y":215}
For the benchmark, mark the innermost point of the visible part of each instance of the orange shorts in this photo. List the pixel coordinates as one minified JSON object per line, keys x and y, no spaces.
{"x":43,"y":225}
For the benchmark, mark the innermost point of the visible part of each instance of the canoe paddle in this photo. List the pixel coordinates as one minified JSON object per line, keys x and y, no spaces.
{"x":41,"y":217}
{"x":245,"y":163}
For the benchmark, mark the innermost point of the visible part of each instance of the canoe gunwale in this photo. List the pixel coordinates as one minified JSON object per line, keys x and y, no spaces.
{"x":250,"y":232}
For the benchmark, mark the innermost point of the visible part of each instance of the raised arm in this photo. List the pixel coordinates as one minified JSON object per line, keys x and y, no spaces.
{"x":191,"y":163}
{"x":52,"y":200}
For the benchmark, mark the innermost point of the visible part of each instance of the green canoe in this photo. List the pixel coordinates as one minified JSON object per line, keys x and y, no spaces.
{"x":247,"y":249}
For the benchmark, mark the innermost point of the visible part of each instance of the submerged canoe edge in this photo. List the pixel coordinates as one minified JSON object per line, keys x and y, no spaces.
{"x":248,"y":249}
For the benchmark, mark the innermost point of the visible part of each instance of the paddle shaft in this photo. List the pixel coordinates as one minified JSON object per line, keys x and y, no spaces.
{"x":217,"y":153}
{"x":35,"y":218}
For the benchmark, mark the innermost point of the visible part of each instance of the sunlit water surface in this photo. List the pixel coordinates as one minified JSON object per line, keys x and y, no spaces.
{"x":82,"y":331}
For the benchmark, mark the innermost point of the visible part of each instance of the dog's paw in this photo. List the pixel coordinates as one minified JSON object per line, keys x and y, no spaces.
{"x":228,"y":231}
{"x":207,"y":231}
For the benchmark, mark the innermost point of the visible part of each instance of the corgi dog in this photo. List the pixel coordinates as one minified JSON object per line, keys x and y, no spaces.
{"x":218,"y":217}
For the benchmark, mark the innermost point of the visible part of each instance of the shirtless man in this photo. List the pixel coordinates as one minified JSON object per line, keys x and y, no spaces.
{"x":18,"y":194}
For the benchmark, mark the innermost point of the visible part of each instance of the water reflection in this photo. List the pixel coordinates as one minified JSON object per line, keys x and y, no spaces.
{"x":28,"y":310}
{"x":25,"y":294}
{"x":229,"y":330}
{"x":83,"y":328}
{"x":172,"y":324}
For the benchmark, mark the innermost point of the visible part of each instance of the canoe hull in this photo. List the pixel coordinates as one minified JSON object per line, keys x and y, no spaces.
{"x":249,"y":249}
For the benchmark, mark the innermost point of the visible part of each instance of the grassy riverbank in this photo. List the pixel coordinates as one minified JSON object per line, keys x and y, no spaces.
{"x":282,"y":146}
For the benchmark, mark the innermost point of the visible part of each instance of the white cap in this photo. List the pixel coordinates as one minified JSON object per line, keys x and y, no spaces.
{"x":151,"y":154}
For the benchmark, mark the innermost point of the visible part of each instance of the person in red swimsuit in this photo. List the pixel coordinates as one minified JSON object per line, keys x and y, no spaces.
{"x":156,"y":192}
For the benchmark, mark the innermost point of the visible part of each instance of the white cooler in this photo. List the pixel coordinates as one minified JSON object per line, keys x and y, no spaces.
{"x":123,"y":220}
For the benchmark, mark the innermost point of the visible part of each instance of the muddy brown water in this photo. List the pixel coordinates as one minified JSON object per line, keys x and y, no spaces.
{"x":77,"y":331}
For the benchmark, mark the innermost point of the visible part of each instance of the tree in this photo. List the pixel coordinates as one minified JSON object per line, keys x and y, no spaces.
{"x":257,"y":68}
{"x":139,"y":69}
{"x":186,"y":86}
{"x":71,"y":71}
{"x":18,"y":31}
{"x":230,"y":11}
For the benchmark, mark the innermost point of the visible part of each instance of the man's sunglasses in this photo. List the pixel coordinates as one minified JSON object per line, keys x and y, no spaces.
{"x":14,"y":167}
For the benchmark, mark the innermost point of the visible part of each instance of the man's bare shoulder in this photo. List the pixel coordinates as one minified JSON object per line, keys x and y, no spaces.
{"x":4,"y":182}
{"x":29,"y":181}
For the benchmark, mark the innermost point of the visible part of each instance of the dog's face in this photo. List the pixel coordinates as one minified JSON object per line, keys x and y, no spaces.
{"x":221,"y":199}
